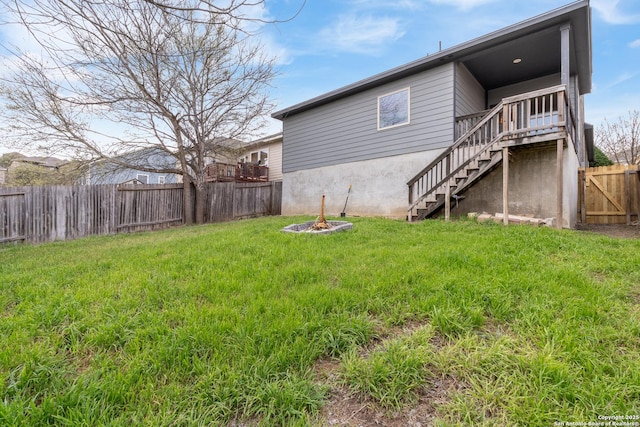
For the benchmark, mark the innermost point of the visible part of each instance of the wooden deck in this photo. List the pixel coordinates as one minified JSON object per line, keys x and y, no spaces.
{"x":484,"y":139}
{"x":239,"y":172}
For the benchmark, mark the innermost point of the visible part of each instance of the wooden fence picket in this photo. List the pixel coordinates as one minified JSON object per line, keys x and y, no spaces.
{"x":612,"y":194}
{"x":48,"y":213}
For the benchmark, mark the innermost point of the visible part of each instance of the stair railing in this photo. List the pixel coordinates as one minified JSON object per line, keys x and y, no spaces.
{"x":466,"y":149}
{"x":527,"y":115}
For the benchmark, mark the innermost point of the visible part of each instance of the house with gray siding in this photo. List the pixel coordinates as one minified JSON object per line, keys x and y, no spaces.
{"x":495,"y":124}
{"x":144,"y":166}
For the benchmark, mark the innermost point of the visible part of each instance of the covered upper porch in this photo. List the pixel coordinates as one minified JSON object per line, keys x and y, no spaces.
{"x":530,"y":60}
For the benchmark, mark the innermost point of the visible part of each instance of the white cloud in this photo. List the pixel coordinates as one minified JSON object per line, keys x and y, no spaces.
{"x":273,"y":49}
{"x":389,"y":4}
{"x":361,"y":34}
{"x":462,"y":4}
{"x":612,"y":13}
{"x":620,"y":79}
{"x":635,"y":43}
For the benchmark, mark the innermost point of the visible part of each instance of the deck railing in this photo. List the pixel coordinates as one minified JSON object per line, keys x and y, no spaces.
{"x":523,"y":118}
{"x":240,"y":172}
{"x":252,"y":172}
{"x":465,"y":123}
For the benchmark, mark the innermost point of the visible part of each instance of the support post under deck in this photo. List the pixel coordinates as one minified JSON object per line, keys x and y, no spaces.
{"x":560,"y":182}
{"x":505,"y":185}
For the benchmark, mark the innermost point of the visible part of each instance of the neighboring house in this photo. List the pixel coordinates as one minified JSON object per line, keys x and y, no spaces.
{"x":260,"y":160}
{"x":45,"y":163}
{"x":443,"y":125}
{"x":626,"y":157}
{"x":105,"y":172}
{"x":36,"y":170}
{"x":266,"y":151}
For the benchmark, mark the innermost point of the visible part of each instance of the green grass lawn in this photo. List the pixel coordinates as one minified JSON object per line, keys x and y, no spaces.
{"x":221,"y":323}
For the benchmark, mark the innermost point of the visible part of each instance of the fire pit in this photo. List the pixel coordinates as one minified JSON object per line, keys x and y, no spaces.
{"x":307,"y":227}
{"x":319,"y":226}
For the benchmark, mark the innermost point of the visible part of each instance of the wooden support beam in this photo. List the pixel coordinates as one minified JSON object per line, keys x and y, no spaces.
{"x":560,"y":182}
{"x":627,"y":192}
{"x":565,"y":64}
{"x":505,"y":184}
{"x":583,"y":196}
{"x":447,"y":201}
{"x":638,"y":188}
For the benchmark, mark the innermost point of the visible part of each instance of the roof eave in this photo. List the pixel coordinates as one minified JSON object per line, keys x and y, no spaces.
{"x":450,"y":55}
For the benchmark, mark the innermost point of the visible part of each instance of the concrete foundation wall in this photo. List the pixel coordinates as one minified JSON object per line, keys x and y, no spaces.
{"x":532,"y":186}
{"x":379,"y":187}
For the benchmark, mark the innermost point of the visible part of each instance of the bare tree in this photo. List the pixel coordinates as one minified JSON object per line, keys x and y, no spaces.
{"x":621,"y":139}
{"x":181,"y":76}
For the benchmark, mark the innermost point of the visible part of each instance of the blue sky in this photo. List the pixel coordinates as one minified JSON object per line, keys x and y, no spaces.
{"x":332,"y":43}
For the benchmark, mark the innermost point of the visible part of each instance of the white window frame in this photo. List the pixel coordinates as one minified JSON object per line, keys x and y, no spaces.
{"x":162,"y":180}
{"x":408,"y":119}
{"x":143,"y":174}
{"x":247,"y":158}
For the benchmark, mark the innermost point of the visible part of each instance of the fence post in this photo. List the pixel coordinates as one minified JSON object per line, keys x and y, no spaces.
{"x":627,"y":191}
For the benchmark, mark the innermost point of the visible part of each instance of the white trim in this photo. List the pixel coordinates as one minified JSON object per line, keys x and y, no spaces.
{"x":162,"y":179}
{"x":408,"y":121}
{"x":247,"y":156}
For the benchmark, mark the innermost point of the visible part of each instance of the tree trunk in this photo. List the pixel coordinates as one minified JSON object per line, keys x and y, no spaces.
{"x":201,"y":193}
{"x":186,"y":200}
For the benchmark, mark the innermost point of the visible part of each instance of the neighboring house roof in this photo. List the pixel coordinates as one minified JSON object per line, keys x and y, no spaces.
{"x":262,"y":142}
{"x":47,"y":162}
{"x":224,"y":148}
{"x":144,"y":158}
{"x":490,"y":58}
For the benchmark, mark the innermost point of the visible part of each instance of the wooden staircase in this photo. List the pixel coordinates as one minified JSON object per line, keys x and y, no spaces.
{"x":539,"y":116}
{"x":470,"y":158}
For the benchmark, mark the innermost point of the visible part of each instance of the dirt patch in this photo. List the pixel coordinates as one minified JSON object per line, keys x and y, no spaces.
{"x":345,"y":408}
{"x":612,"y":230}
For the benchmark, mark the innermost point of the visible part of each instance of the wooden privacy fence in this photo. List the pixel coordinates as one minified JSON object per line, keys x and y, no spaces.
{"x":611,"y":194}
{"x":43,"y":214}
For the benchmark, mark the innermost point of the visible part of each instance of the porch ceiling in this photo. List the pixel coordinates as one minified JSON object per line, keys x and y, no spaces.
{"x":539,"y":54}
{"x":538,"y":46}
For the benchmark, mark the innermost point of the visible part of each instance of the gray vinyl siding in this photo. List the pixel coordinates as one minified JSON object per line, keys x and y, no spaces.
{"x":496,"y":95}
{"x":347,"y":130}
{"x":470,"y":95}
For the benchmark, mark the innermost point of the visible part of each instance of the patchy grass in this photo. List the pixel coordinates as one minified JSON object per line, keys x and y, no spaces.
{"x":226,"y":322}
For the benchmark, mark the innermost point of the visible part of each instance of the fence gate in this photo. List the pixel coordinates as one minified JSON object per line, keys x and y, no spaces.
{"x":611,"y":194}
{"x":13,"y":221}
